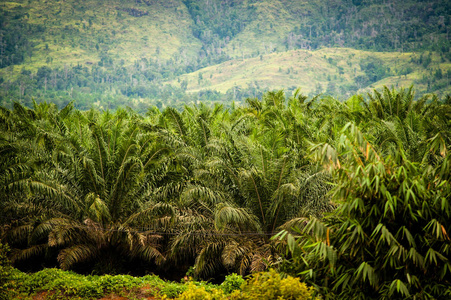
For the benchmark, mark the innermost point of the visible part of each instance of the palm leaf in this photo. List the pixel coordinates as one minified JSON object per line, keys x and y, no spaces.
{"x":76,"y":254}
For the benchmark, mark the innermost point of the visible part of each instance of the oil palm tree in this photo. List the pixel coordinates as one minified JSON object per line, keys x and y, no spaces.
{"x":247,"y":178}
{"x":96,"y":189}
{"x":398,"y":121}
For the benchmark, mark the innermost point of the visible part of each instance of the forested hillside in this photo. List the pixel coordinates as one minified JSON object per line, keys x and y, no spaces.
{"x":136,"y":53}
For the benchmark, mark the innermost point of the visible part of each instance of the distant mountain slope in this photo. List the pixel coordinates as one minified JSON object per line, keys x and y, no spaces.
{"x":270,"y":25}
{"x":335,"y":71}
{"x":89,"y":31}
{"x":74,"y":31}
{"x":156,"y":50}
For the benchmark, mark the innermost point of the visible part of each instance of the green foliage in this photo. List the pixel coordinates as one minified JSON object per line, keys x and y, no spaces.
{"x":247,"y":182}
{"x":91,"y":211}
{"x":265,"y":285}
{"x":58,"y":284}
{"x":271,"y":285}
{"x":194,"y":292}
{"x":388,"y":237}
{"x":64,"y":284}
{"x":232,"y":282}
{"x":115,"y":191}
{"x":173,"y":289}
{"x":15,"y":46}
{"x":5,"y":272}
{"x":217,"y":22}
{"x":374,"y":69}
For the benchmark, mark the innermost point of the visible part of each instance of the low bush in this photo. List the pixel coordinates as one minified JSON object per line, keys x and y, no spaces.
{"x":64,"y":284}
{"x":61,"y":284}
{"x":190,"y":290}
{"x":194,"y":292}
{"x":270,"y":285}
{"x":172,"y":289}
{"x":232,"y":282}
{"x":5,"y":272}
{"x":261,"y":286}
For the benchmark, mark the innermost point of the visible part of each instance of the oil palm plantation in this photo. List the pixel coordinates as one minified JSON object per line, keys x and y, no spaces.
{"x":247,"y":179}
{"x":395,"y":120}
{"x":207,"y":186}
{"x":96,"y":191}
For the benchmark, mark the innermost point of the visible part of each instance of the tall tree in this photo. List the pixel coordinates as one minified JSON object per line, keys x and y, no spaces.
{"x":95,"y":189}
{"x":388,"y":237}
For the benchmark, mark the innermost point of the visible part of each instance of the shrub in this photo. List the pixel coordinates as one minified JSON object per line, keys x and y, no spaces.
{"x":69,"y":284}
{"x":232,"y":282}
{"x":172,"y":290}
{"x":195,"y":292}
{"x":63,"y":283}
{"x":5,"y":272}
{"x":270,"y":285}
{"x":389,"y":238}
{"x":261,"y":286}
{"x":109,"y":283}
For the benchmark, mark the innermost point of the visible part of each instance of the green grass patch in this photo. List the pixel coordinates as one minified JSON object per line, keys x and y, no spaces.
{"x":317,"y":71}
{"x":63,"y":284}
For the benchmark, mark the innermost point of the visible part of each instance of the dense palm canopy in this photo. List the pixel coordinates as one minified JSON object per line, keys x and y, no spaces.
{"x":389,"y":236}
{"x":207,"y":186}
{"x":93,"y":183}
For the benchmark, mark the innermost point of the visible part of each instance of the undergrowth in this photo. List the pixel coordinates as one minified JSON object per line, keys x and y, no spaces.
{"x":59,"y":284}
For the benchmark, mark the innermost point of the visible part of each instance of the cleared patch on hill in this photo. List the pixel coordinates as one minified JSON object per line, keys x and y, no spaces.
{"x":331,"y":70}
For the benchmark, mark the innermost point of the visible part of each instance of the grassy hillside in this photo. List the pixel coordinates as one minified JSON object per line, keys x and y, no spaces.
{"x":337,"y":71}
{"x":75,"y":49}
{"x":74,"y":31}
{"x":89,"y":31}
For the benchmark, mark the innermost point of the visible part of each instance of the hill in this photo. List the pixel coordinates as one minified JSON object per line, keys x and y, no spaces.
{"x":145,"y":52}
{"x":335,"y":71}
{"x":92,"y":31}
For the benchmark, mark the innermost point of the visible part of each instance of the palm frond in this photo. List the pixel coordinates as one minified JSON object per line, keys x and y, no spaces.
{"x":228,"y":215}
{"x":206,"y":261}
{"x":28,"y":253}
{"x":76,"y":254}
